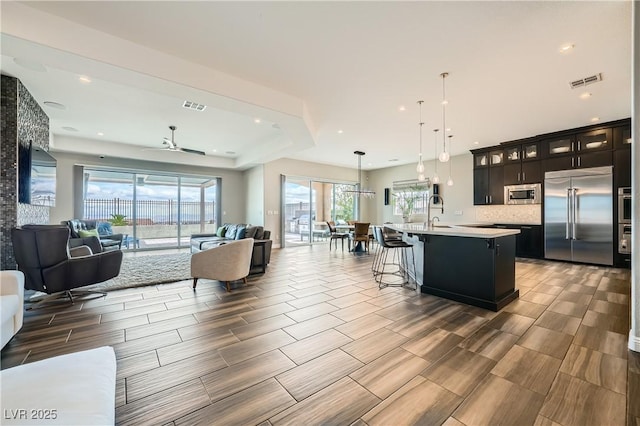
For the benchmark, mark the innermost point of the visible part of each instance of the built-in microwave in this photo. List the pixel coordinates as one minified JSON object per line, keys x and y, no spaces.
{"x":523,"y":194}
{"x":624,"y":205}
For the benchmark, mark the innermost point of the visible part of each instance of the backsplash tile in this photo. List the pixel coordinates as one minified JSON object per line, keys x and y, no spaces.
{"x":521,"y":215}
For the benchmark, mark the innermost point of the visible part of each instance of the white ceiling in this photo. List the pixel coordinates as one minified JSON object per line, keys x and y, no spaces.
{"x":308,"y":70}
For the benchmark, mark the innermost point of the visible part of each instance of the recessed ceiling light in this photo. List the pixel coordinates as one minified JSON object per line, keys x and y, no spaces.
{"x":69,"y":129}
{"x":566,"y":48}
{"x":55,"y":105}
{"x":402,"y":108}
{"x":445,"y":102}
{"x":594,"y":119}
{"x":340,"y":132}
{"x":214,"y":150}
{"x":30,"y":65}
{"x":448,"y":129}
{"x":476,"y":143}
{"x":585,"y":95}
{"x":257,"y":120}
{"x":84,"y":79}
{"x":100,"y":134}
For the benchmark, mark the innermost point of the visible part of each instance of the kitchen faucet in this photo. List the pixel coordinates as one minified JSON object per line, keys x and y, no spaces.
{"x":429,"y":223}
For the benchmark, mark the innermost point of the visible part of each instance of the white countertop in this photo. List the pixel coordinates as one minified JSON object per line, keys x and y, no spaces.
{"x":453,"y":230}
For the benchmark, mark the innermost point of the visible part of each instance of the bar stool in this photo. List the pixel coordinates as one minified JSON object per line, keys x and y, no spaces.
{"x":399,"y":249}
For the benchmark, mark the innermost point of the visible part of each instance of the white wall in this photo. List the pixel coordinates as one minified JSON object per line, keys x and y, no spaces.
{"x":254,"y":195}
{"x":233,"y":200}
{"x":457,"y":198}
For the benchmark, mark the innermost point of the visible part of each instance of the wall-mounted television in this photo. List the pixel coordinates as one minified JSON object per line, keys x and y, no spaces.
{"x":36,"y":176}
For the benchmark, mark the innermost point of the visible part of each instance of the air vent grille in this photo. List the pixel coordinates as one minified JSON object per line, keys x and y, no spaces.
{"x":194,"y":106}
{"x":586,"y":81}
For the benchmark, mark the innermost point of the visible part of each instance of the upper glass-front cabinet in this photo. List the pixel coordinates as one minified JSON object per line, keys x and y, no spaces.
{"x":481,"y":160}
{"x":596,"y":140}
{"x":496,"y":158}
{"x":522,"y":152}
{"x":559,"y":146}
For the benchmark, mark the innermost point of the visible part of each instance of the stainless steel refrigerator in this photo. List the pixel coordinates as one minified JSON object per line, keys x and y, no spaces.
{"x":578,"y":215}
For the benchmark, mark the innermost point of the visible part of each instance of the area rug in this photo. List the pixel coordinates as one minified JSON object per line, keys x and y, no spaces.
{"x":137,"y":271}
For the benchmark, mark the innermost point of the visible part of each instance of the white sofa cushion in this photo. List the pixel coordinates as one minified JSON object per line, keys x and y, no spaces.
{"x":9,"y":307}
{"x":72,"y":389}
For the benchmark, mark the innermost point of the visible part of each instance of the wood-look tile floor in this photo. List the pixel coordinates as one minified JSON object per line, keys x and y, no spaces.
{"x":314,"y":341}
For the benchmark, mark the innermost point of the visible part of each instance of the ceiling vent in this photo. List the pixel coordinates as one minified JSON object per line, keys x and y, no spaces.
{"x":194,"y":106}
{"x":586,"y":81}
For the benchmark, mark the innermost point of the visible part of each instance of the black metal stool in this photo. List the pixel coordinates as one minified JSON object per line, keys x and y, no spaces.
{"x":399,"y":248}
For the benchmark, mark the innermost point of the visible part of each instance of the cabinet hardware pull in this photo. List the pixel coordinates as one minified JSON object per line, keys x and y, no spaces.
{"x":518,"y":176}
{"x":579,"y":145}
{"x":572,"y":162}
{"x":525,"y":227}
{"x":578,"y":161}
{"x":490,"y":199}
{"x":571,"y":146}
{"x":523,"y":178}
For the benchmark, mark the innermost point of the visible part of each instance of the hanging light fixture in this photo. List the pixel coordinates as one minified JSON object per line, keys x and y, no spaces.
{"x":366,"y":193}
{"x":420,"y":166}
{"x":450,"y":180}
{"x":436,"y":179}
{"x":444,"y":155}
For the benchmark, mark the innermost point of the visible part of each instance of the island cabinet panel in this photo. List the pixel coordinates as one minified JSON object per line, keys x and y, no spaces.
{"x":476,"y":271}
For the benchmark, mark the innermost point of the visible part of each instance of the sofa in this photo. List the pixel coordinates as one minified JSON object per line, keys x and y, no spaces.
{"x":72,"y":389}
{"x":81,"y":231}
{"x":11,"y":304}
{"x":238,"y":231}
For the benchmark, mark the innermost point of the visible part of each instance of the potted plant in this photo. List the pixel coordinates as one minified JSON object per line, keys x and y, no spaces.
{"x":118,"y":220}
{"x":405,"y":202}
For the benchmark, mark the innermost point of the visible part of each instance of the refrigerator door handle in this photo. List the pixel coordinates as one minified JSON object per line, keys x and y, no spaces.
{"x":574,"y":201}
{"x":567,"y":230}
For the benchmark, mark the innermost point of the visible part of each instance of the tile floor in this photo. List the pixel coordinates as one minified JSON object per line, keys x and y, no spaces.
{"x":314,"y":341}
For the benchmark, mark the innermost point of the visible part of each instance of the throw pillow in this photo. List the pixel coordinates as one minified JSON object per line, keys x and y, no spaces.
{"x":241,"y":232}
{"x":259,"y":233}
{"x":251,"y":232}
{"x":88,"y":233}
{"x":221,"y":231}
{"x":231,"y":232}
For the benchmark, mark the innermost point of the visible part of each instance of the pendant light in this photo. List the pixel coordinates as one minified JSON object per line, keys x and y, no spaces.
{"x":420,"y":166}
{"x":436,"y":179}
{"x":450,"y":180}
{"x":360,"y":192}
{"x":444,"y":155}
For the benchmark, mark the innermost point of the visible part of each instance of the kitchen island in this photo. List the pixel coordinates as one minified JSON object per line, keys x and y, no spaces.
{"x":464,"y":263}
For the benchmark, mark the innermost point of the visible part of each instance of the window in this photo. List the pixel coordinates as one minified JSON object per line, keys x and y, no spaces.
{"x":410,"y":199}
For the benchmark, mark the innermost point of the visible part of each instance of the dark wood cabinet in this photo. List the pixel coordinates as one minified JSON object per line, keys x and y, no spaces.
{"x":622,"y":137}
{"x":488,"y":177}
{"x":578,"y":161}
{"x":594,"y":140}
{"x":525,"y":172}
{"x":529,"y":242}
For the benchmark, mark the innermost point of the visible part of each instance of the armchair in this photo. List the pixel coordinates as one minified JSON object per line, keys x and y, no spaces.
{"x":11,"y":304}
{"x":229,"y":261}
{"x":49,"y":266}
{"x":80,"y":230}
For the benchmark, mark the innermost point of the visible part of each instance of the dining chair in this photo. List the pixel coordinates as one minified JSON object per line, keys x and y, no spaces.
{"x":335,"y":236}
{"x":360,"y":236}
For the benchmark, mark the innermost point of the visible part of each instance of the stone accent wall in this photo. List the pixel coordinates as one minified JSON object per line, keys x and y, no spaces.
{"x":22,"y":121}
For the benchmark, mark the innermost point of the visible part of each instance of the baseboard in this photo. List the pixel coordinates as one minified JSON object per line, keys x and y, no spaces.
{"x":634,"y":342}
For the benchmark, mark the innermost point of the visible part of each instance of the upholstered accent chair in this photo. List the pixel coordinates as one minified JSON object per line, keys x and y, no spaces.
{"x":227,"y":262}
{"x":361,"y":235}
{"x":49,"y":265}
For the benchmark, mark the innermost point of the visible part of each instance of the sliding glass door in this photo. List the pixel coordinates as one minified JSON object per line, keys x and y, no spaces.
{"x":308,"y":204}
{"x":152,"y":211}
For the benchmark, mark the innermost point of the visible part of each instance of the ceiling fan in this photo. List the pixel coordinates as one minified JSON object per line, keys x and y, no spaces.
{"x":172,"y":146}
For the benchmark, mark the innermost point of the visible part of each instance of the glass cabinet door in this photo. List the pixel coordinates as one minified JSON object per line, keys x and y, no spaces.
{"x":596,"y":140}
{"x":481,"y":160}
{"x":512,"y":154}
{"x":560,"y":146}
{"x":496,"y":158}
{"x":530,"y":151}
